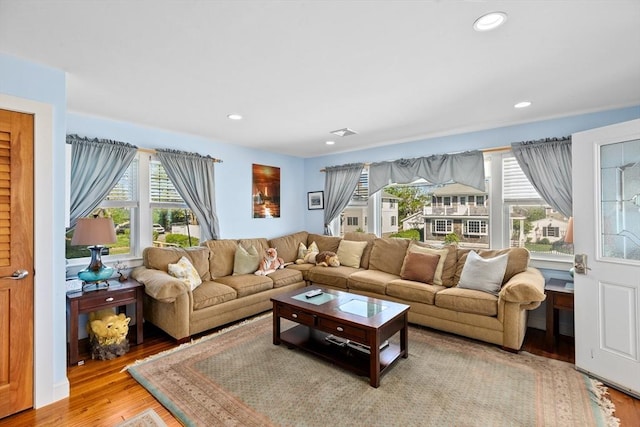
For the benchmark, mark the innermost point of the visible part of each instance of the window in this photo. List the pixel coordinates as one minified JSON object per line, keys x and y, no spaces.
{"x":531,"y":222}
{"x":441,"y":226}
{"x":476,"y":227}
{"x":352,"y":220}
{"x":159,"y":218}
{"x":394,"y":220}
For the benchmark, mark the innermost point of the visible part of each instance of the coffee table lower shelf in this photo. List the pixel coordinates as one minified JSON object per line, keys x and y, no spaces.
{"x":313,"y":341}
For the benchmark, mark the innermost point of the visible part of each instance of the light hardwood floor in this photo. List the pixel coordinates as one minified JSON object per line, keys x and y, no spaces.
{"x":103,"y":395}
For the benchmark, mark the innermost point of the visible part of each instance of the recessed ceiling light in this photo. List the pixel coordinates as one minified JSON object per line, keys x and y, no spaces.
{"x":330,"y":142}
{"x":344,"y":132}
{"x":490,"y":21}
{"x":234,"y":117}
{"x":523,"y":104}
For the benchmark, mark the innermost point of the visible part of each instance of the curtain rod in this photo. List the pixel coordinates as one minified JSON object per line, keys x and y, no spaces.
{"x":486,"y":150}
{"x":153,"y":151}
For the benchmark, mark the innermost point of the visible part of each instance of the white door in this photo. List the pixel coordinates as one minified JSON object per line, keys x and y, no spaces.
{"x":606,"y":208}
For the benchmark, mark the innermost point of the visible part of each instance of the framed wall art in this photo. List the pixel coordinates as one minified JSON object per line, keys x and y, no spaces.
{"x":315,"y":200}
{"x":266,"y":191}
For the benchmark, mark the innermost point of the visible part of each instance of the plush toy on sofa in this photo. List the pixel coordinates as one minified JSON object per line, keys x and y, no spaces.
{"x":108,"y":334}
{"x":309,"y":258}
{"x":327,"y":259}
{"x":270,"y":263}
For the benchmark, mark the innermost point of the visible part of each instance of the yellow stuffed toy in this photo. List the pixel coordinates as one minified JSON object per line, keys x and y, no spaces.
{"x":108,"y":334}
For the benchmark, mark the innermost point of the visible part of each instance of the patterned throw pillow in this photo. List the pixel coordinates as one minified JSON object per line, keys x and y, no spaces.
{"x":186,"y":272}
{"x":303,"y":250}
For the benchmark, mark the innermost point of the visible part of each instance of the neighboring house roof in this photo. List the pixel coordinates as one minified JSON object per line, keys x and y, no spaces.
{"x":386,"y":195}
{"x":457,"y":189}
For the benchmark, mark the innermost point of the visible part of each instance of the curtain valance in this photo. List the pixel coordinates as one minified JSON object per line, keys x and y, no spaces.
{"x":465,"y":168}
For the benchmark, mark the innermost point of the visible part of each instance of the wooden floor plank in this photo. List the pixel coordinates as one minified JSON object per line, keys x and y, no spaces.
{"x":102,"y":395}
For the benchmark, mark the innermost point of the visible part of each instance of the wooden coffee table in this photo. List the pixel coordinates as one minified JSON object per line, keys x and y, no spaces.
{"x":346,"y":329}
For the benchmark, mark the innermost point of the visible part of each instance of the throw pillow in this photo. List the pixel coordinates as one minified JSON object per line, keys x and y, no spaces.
{"x":437,"y":277}
{"x":483,"y":274}
{"x":350,"y":252}
{"x":246,"y":261}
{"x":419,"y":267}
{"x":186,"y":272}
{"x":303,"y":250}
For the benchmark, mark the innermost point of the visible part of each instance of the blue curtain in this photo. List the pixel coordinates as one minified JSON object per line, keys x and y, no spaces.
{"x":193,"y":177}
{"x":96,"y":167}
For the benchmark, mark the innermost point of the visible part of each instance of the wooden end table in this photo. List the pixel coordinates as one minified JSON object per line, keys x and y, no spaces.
{"x":350,"y":320}
{"x":559,"y":297}
{"x":118,"y":294}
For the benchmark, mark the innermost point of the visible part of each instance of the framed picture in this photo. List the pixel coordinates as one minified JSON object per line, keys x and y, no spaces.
{"x":266,"y":191}
{"x":315,"y":200}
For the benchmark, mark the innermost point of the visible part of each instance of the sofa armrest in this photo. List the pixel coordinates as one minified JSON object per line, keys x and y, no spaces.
{"x":525,"y":288}
{"x":160,"y":285}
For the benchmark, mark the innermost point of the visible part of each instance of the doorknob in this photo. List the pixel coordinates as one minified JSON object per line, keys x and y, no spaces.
{"x":580,"y":263}
{"x":17,"y":275}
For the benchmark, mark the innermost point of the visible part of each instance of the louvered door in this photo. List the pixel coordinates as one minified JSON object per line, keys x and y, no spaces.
{"x":16,"y":262}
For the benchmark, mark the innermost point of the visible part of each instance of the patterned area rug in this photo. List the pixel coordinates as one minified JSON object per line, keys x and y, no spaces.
{"x":238,"y":377}
{"x":148,"y":418}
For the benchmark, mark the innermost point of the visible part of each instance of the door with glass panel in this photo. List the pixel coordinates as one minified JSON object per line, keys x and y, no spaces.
{"x":606,"y":205}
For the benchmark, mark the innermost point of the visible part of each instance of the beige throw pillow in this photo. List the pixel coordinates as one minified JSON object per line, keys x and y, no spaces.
{"x":350,"y":252}
{"x":304,"y":251}
{"x":246,"y":261}
{"x":437,"y":277}
{"x":186,"y":272}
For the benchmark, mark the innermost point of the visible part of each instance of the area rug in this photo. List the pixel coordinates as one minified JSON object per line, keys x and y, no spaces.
{"x":238,"y":377}
{"x":148,"y":418}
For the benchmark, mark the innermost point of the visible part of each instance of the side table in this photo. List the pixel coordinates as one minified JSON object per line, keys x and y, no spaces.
{"x":118,"y":294}
{"x":559,"y":297}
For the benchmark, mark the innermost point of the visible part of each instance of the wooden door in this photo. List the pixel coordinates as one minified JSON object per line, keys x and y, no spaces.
{"x":606,"y":207}
{"x":16,"y":262}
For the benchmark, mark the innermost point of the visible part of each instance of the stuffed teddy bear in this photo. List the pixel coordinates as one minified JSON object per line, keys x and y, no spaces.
{"x":327,"y":259}
{"x":270,"y":263}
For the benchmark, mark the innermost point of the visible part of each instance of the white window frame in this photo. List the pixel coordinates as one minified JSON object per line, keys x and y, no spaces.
{"x":481,"y":225}
{"x":448,"y":225}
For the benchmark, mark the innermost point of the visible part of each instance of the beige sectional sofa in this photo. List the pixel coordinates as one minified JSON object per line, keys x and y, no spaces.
{"x":378,"y":266}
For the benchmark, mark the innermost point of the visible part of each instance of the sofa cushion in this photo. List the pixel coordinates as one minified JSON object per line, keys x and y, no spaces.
{"x":325,"y":243}
{"x":408,"y":290}
{"x":247,"y":284}
{"x":420,"y":267}
{"x":160,"y":258}
{"x":246,"y":261}
{"x":285,"y":277}
{"x":518,"y":261}
{"x":442,"y":253}
{"x":467,"y":301}
{"x":261,"y":244}
{"x":483,"y":274}
{"x":388,"y":254}
{"x":362,"y":237}
{"x":159,"y":284}
{"x":370,"y":281}
{"x":302,"y":268}
{"x":450,"y":262}
{"x":212,"y":293}
{"x":223,"y":254}
{"x":350,"y":252}
{"x":186,"y":272}
{"x":335,"y":277}
{"x":287,"y":246}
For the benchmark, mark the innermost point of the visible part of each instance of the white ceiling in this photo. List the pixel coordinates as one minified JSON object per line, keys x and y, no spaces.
{"x":393,"y":71}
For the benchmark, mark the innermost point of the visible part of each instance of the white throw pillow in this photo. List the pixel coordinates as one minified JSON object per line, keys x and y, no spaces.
{"x":483,"y":274}
{"x":437,"y":277}
{"x":350,"y":252}
{"x":186,"y":272}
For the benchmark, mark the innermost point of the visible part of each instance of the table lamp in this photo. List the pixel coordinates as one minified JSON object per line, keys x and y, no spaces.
{"x":95,"y":232}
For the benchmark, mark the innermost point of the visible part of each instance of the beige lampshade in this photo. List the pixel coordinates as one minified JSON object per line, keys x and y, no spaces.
{"x":94,"y":231}
{"x":568,"y":237}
